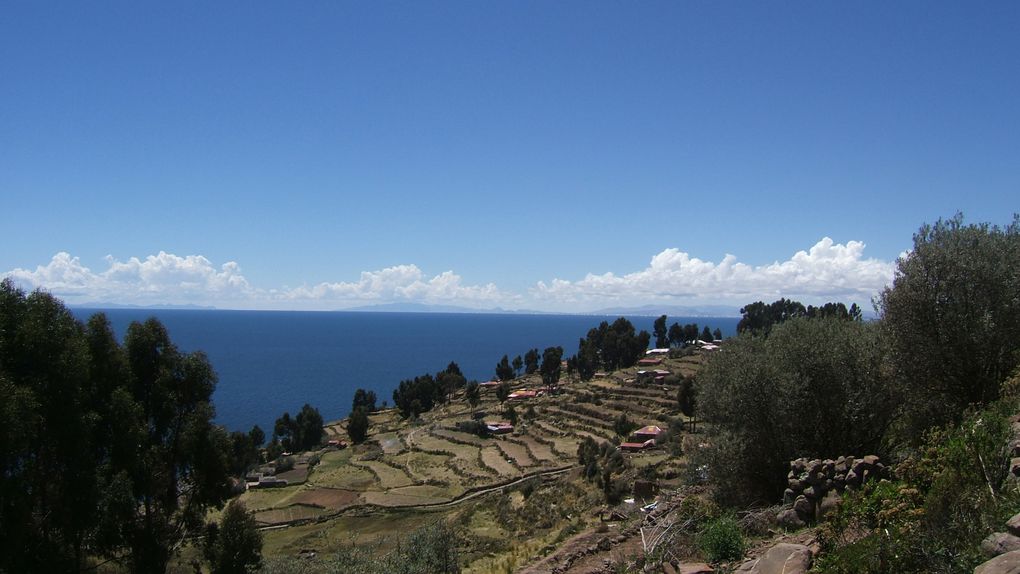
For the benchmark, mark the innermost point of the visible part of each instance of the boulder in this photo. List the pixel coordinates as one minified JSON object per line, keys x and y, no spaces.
{"x":871,"y":460}
{"x":828,"y":504}
{"x":780,"y":559}
{"x":811,"y":492}
{"x":789,"y":496}
{"x":1014,"y":466}
{"x":789,"y":519}
{"x":1008,"y":563}
{"x":1013,"y":525}
{"x":999,"y":543}
{"x":804,"y":508}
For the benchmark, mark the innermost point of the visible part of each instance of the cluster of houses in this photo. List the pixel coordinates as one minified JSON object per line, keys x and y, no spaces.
{"x":264,"y":477}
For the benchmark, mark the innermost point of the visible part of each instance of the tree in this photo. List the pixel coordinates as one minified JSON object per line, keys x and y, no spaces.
{"x":285,"y":432}
{"x":504,"y":371}
{"x":234,"y":546}
{"x":660,"y":333}
{"x":813,"y":387}
{"x":706,"y":335}
{"x":552,"y":359}
{"x":952,"y":317}
{"x":511,"y":415}
{"x":717,"y":334}
{"x":502,"y":392}
{"x":687,"y":399}
{"x":357,"y":425}
{"x":676,"y":335}
{"x":531,"y":361}
{"x":517,"y":364}
{"x":450,"y":379}
{"x":472,"y":394}
{"x":623,"y":425}
{"x":364,"y":399}
{"x":309,"y":423}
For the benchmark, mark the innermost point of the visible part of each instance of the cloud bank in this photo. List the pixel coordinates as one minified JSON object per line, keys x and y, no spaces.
{"x":828,"y":271}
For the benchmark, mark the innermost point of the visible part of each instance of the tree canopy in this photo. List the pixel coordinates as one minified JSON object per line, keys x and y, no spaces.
{"x":107,"y":450}
{"x":952,"y":317}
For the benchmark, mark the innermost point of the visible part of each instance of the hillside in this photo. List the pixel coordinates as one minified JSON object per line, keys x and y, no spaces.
{"x":518,"y":496}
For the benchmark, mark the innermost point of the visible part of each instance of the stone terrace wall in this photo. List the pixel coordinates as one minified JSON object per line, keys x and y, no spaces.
{"x":815,"y":486}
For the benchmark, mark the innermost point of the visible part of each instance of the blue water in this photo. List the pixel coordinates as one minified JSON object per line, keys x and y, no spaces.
{"x":269,"y":362}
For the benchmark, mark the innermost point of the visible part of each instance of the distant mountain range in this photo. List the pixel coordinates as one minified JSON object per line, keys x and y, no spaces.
{"x":426,"y":308}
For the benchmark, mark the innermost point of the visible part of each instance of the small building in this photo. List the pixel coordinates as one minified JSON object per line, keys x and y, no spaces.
{"x":490,"y":384}
{"x":637,"y":446}
{"x":650,"y":361}
{"x":501,"y":427}
{"x":650,"y":432}
{"x":339,"y":444}
{"x":710,"y":347}
{"x":657,"y":352}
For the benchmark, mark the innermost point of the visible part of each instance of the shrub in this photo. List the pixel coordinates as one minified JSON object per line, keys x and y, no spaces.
{"x":284,"y":464}
{"x":721,"y":540}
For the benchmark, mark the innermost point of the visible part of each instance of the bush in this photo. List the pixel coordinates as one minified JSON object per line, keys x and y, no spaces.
{"x":284,"y":464}
{"x":721,"y":540}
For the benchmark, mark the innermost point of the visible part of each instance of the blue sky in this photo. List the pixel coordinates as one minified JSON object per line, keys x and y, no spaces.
{"x":544,"y":155}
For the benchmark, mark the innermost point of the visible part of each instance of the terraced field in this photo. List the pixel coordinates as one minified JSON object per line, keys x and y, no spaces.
{"x":408,"y":465}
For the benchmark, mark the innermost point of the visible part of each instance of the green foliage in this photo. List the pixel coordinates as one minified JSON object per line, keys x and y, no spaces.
{"x":364,"y":400}
{"x":531,"y":361}
{"x":357,"y":426}
{"x":623,"y":425}
{"x":717,"y":334}
{"x":660,"y":333}
{"x":504,"y":371}
{"x":475,"y":427}
{"x":234,"y":546}
{"x":107,"y":450}
{"x":301,"y":432}
{"x":610,"y":347}
{"x":552,"y":358}
{"x":420,"y":394}
{"x":952,"y":318}
{"x":517,"y":364}
{"x":473,"y":394}
{"x":502,"y":392}
{"x":721,"y":540}
{"x":814,"y":387}
{"x":600,"y":463}
{"x":511,"y":415}
{"x":949,"y":497}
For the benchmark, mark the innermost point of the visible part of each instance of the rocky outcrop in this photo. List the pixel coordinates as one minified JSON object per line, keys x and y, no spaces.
{"x":814,"y":486}
{"x":1008,"y":563}
{"x":782,"y":558}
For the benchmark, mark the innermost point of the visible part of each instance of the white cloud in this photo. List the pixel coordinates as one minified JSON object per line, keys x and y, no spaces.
{"x":828,"y":271}
{"x":156,"y":279}
{"x":403,"y":283}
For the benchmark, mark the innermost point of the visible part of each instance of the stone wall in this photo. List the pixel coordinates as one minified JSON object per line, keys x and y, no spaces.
{"x":815,"y":486}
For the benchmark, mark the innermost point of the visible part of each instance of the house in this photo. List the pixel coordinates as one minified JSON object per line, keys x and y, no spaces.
{"x":649,"y":362}
{"x":500,"y":427}
{"x":657,"y":352}
{"x":340,"y":444}
{"x":523,"y":394}
{"x":710,"y":347}
{"x":637,"y":446}
{"x":658,"y":375}
{"x":489,"y":384}
{"x":650,"y":432}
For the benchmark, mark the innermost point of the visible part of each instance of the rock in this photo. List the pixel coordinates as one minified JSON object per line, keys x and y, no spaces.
{"x":852,"y":478}
{"x":1013,"y":525}
{"x":1014,"y":466}
{"x":667,"y":568}
{"x":795,"y":485}
{"x":1008,"y":563}
{"x":1014,"y":448}
{"x":780,"y":559}
{"x":804,"y":508}
{"x":789,"y":496}
{"x":871,"y":460}
{"x":605,"y":544}
{"x":789,"y":519}
{"x":811,"y":492}
{"x":999,"y":543}
{"x":695,"y":568}
{"x":828,"y":504}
